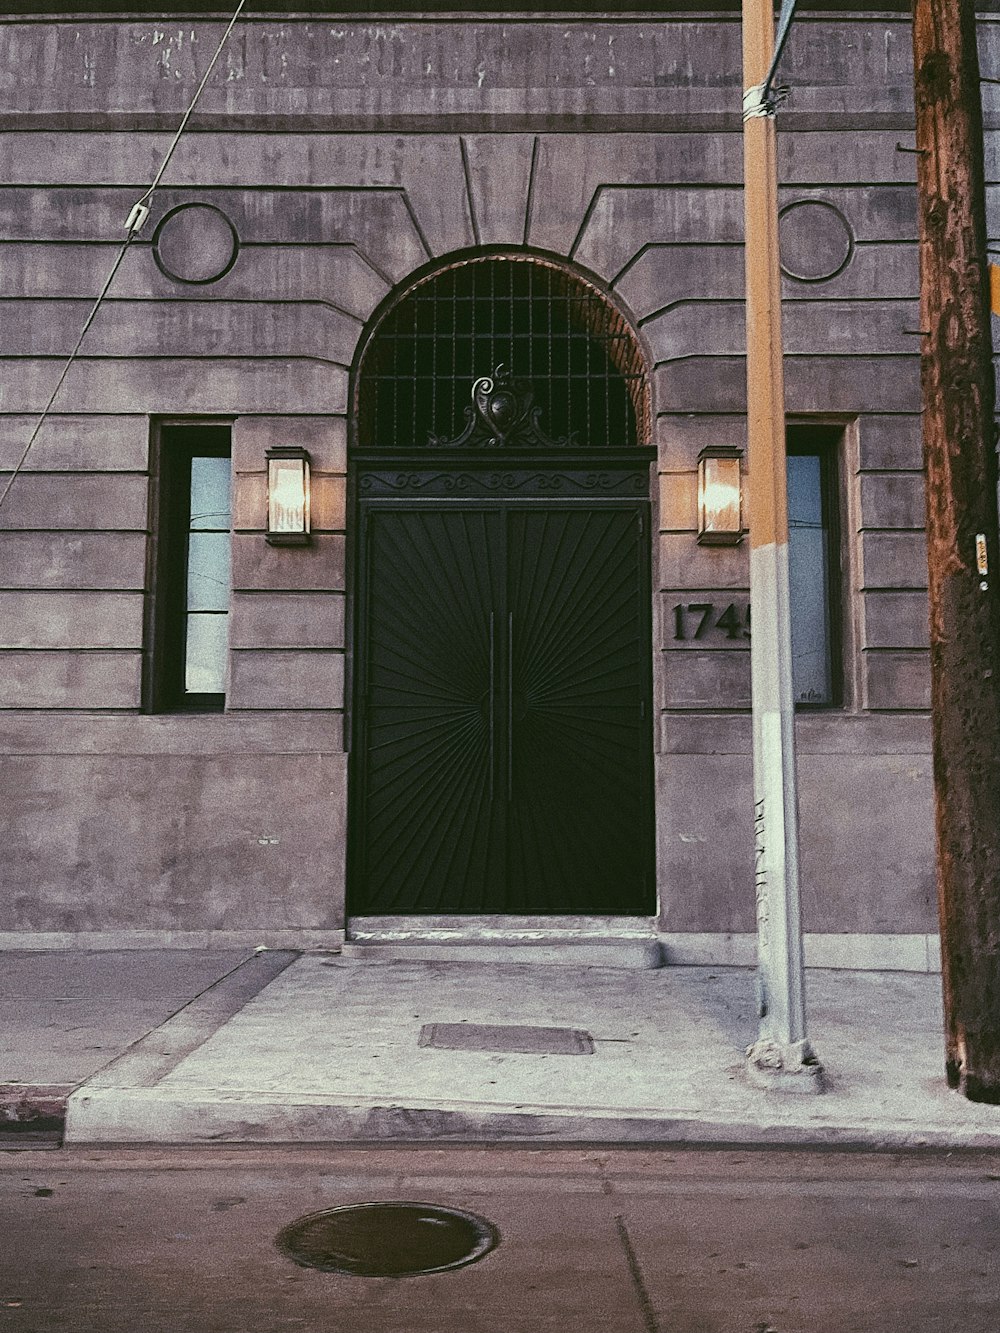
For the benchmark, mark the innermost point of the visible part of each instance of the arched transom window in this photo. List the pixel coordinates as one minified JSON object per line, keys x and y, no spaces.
{"x":536,"y":346}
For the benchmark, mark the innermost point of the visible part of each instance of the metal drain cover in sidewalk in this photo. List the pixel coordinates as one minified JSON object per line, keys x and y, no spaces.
{"x":506,"y":1040}
{"x":387,"y":1239}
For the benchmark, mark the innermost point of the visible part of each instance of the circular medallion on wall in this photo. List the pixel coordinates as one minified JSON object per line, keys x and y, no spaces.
{"x":195,"y":243}
{"x":816,"y":240}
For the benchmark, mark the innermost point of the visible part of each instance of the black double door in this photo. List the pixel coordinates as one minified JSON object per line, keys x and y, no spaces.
{"x":502,"y":755}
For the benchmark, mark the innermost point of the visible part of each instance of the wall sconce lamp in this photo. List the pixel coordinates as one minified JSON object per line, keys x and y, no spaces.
{"x":720,"y":496}
{"x":288,"y":518}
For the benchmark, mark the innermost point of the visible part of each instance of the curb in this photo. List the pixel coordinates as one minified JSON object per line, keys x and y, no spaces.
{"x":201,"y":1116}
{"x":33,"y":1112}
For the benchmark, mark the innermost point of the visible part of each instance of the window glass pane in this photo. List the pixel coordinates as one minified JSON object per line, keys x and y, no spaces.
{"x":210,"y":493}
{"x":193,"y":518}
{"x":208,"y":571}
{"x":808,"y":581}
{"x":205,"y":659}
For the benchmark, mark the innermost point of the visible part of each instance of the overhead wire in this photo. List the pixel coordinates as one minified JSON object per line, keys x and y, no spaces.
{"x":785,"y":18}
{"x":134,"y":224}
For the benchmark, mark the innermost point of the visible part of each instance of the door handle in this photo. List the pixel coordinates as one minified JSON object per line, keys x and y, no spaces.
{"x":492,"y":702}
{"x":510,"y":706}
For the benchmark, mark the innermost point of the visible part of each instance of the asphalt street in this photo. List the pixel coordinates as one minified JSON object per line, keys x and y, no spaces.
{"x":617,"y":1240}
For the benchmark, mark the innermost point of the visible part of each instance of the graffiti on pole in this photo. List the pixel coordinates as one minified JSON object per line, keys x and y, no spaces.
{"x":760,"y":889}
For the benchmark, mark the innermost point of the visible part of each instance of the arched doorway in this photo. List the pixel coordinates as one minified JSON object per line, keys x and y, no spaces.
{"x":502,"y":712}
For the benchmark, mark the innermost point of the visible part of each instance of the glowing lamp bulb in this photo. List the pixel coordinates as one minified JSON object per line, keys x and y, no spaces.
{"x":288,"y":516}
{"x":720,"y":501}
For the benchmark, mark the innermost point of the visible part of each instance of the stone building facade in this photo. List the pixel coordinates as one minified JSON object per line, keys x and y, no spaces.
{"x":337,"y":167}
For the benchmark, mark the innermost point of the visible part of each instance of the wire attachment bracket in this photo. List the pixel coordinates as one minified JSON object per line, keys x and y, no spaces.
{"x":136,"y":219}
{"x":763,"y":100}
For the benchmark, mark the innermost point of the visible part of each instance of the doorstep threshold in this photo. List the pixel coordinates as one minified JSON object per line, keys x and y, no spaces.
{"x":620,"y":942}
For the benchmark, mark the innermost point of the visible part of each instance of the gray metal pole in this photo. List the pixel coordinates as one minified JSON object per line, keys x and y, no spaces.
{"x":781,"y":1056}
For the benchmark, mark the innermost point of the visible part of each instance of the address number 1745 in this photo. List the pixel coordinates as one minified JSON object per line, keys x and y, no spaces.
{"x":696,"y":619}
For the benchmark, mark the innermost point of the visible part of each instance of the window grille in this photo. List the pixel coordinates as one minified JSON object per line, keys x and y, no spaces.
{"x":549,"y":328}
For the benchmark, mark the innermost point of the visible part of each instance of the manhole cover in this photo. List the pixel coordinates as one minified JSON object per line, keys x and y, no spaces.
{"x":387,"y":1239}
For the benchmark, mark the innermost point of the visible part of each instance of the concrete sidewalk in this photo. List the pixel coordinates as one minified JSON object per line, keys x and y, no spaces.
{"x":321,"y":1048}
{"x":64,"y":1014}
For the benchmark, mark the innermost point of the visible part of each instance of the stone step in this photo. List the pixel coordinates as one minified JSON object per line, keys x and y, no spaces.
{"x":635,"y":952}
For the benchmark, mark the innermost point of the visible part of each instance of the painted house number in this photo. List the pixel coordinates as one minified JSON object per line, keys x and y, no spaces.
{"x":696,"y":619}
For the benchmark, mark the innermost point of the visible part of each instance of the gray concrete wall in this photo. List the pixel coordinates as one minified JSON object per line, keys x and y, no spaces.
{"x":347,"y":155}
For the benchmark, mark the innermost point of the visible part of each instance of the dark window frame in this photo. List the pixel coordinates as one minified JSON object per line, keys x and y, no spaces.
{"x":824,"y":440}
{"x":173,"y":444}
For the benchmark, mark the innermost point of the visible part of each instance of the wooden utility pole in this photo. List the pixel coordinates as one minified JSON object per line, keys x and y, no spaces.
{"x":962,"y":555}
{"x":782,"y":1055}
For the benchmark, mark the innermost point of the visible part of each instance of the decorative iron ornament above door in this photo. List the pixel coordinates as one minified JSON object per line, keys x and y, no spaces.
{"x":503,"y":414}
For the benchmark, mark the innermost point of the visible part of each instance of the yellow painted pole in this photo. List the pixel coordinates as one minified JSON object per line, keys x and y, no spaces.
{"x":782,"y":1055}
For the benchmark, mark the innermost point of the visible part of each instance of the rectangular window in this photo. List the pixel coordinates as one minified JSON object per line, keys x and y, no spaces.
{"x":814,"y":564}
{"x":192,"y":542}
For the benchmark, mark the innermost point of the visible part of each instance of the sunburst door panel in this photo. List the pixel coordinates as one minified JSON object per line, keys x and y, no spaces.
{"x":504,"y":755}
{"x":577,"y":622}
{"x":431,"y":826}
